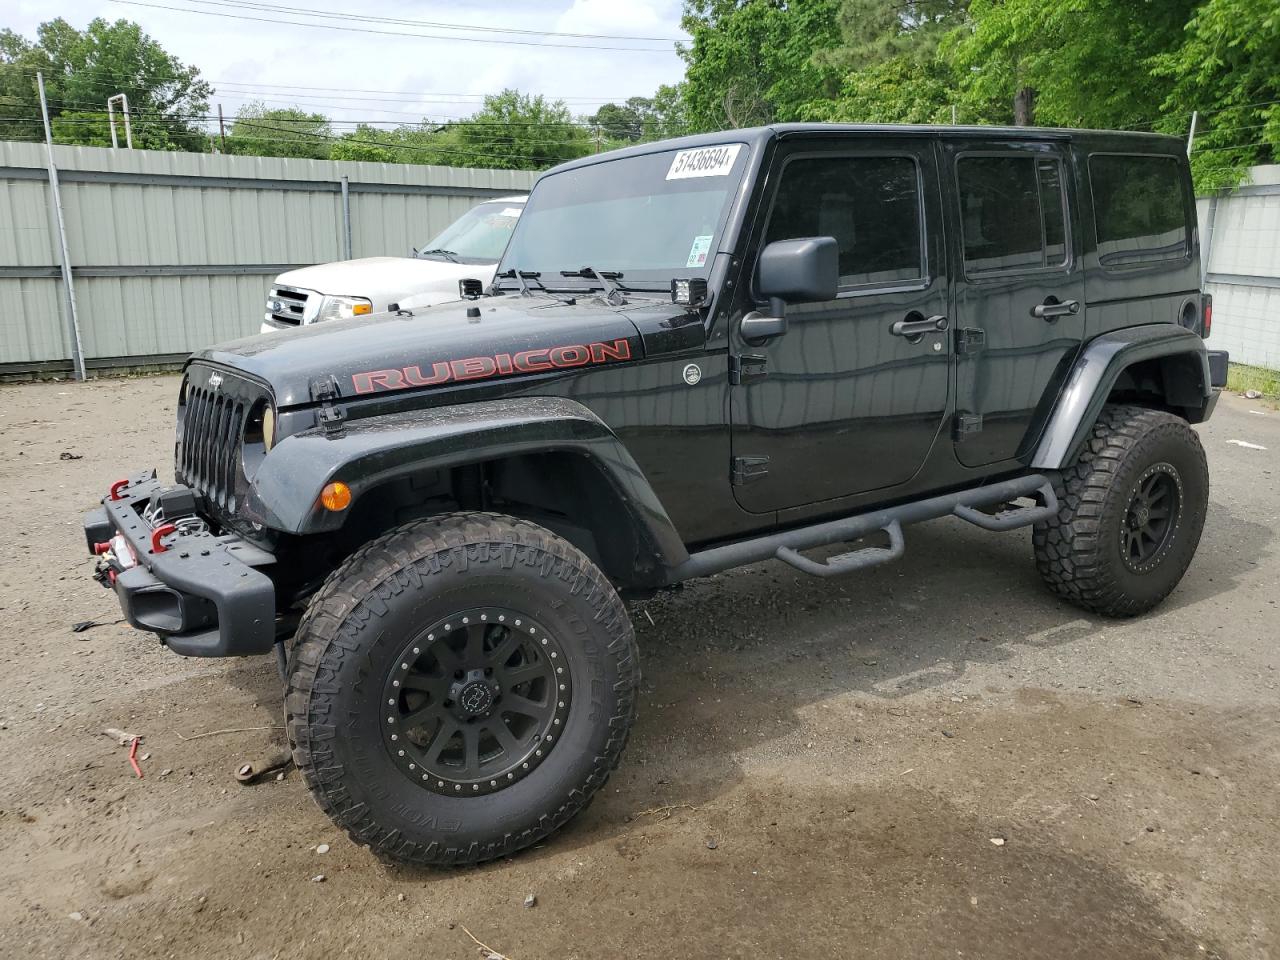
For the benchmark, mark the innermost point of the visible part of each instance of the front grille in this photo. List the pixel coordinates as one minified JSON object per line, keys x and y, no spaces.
{"x":213,"y":424}
{"x":287,"y":305}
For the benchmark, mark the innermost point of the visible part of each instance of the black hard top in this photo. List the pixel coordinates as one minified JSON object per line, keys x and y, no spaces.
{"x":1128,"y":139}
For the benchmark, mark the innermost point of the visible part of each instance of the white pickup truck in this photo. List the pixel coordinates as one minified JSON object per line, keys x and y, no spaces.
{"x":470,"y":247}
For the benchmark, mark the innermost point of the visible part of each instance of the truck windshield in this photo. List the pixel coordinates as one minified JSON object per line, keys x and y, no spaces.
{"x":643,"y":218}
{"x":479,"y":235}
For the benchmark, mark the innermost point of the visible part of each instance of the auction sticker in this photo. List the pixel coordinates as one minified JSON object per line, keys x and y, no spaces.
{"x":704,"y":162}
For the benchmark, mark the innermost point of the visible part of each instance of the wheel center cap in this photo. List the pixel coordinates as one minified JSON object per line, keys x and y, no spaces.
{"x":476,"y":697}
{"x":1140,"y":517}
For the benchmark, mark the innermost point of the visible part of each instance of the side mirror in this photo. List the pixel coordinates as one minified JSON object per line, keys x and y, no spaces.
{"x":792,"y":271}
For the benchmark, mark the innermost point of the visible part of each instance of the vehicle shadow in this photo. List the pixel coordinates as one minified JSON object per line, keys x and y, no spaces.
{"x":731,"y":663}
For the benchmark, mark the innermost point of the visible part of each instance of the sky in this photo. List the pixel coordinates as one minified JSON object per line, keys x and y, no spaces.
{"x":388,"y":77}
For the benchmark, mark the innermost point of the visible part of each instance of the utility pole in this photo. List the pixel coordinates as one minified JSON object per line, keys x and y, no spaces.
{"x":222,"y":129}
{"x":111,"y":119}
{"x":953,"y":114}
{"x":597,"y":138}
{"x":1191,"y":137}
{"x":73,"y":318}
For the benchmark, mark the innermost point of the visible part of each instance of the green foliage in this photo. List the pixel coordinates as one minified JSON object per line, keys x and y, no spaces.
{"x":1106,"y":64}
{"x":875,"y":31}
{"x":643,"y":118}
{"x":84,"y":67}
{"x":515,"y":131}
{"x":1086,"y":60}
{"x":289,"y":132}
{"x":899,"y":90}
{"x":93,"y":129}
{"x":1229,"y":70}
{"x":752,"y":61}
{"x":511,"y":131}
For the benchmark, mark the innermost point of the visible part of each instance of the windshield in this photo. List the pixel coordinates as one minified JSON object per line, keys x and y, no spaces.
{"x":646,"y":218}
{"x":479,"y":234}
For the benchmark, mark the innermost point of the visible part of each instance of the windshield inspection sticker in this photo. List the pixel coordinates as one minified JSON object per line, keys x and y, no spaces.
{"x":698,"y":252}
{"x":704,"y":162}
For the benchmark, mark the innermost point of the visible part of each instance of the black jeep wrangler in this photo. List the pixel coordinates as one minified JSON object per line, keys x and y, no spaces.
{"x":697,"y":354}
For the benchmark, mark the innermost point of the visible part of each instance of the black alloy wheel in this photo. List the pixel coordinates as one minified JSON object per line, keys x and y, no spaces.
{"x":1150,"y":517}
{"x":476,"y":701}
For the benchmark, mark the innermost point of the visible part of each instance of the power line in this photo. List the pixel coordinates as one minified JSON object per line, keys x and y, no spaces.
{"x":389,"y":33}
{"x":431,"y":24}
{"x":394,"y":92}
{"x":115,"y":80}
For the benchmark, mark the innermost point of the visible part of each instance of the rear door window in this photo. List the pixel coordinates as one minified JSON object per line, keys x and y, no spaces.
{"x":871,"y":205}
{"x":1012,"y":214}
{"x":1140,"y":209}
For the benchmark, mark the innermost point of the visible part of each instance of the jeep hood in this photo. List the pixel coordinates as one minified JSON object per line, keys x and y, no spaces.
{"x":441,"y":348}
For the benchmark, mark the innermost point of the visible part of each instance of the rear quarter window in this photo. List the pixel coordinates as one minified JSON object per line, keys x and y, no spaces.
{"x":1141,"y":209}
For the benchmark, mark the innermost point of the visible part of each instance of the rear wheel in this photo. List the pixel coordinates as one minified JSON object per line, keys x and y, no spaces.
{"x":1133,"y":507}
{"x":460,"y":688}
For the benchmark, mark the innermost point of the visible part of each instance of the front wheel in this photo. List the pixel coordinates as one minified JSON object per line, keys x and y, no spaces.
{"x":1133,"y":507}
{"x":460,"y":688}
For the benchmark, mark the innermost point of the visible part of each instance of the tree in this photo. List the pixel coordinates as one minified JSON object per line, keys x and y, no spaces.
{"x":899,"y":90}
{"x":875,"y":31}
{"x":890,"y":63}
{"x":622,"y":121}
{"x":1067,"y":63}
{"x":753,"y":61}
{"x":167,"y":99}
{"x":1229,"y":70}
{"x":514,"y":131}
{"x":288,"y":132}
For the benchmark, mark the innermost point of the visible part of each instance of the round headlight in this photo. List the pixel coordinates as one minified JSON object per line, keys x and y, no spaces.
{"x":268,"y":428}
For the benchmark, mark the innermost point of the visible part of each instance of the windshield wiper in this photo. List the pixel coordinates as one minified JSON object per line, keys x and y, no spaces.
{"x":440,"y":252}
{"x":523,"y":277}
{"x":607,"y":278}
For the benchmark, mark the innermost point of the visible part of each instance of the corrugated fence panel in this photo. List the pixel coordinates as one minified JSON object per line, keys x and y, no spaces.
{"x":172,"y":252}
{"x":1241,"y":230}
{"x":21,"y":299}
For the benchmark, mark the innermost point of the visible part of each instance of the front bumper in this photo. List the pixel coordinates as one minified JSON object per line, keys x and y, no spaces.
{"x":202,"y":594}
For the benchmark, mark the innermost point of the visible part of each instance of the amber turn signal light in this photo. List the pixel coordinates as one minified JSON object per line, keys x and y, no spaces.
{"x":335,"y":496}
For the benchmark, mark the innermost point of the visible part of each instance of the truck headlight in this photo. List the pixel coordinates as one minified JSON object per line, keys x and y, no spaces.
{"x":339,"y":308}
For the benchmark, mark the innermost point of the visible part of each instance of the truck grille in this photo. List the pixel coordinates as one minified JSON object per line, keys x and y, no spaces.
{"x":212,"y":424}
{"x":287,"y":305}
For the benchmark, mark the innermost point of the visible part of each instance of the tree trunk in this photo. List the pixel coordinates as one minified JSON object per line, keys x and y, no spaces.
{"x":1024,"y":107}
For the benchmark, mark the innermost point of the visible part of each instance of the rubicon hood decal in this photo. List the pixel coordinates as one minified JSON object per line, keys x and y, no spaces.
{"x":496,"y":365}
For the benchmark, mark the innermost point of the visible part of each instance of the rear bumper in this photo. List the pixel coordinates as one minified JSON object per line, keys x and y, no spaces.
{"x":202,"y":594}
{"x":1218,"y":368}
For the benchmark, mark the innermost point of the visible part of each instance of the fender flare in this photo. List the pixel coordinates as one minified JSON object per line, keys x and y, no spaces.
{"x":1096,"y":371}
{"x":285,"y":490}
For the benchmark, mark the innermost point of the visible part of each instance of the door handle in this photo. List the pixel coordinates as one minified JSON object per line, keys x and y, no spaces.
{"x":915,"y":325}
{"x":1052,"y":308}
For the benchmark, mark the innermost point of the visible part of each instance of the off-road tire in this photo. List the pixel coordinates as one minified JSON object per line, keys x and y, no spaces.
{"x":1081,"y":552}
{"x":356,"y":626}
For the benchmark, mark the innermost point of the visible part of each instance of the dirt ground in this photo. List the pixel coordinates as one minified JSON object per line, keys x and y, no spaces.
{"x":819,"y":770}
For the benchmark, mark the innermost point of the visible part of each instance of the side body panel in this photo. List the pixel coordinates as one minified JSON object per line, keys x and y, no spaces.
{"x":1010,"y":363}
{"x":839,"y":404}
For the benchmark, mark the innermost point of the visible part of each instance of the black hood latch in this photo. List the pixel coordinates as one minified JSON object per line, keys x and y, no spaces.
{"x":329,"y":418}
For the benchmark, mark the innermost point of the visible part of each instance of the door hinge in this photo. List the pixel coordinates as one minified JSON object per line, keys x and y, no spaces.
{"x":747,"y":368}
{"x":966,"y":424}
{"x":748,"y":469}
{"x":970,"y":340}
{"x":324,"y":391}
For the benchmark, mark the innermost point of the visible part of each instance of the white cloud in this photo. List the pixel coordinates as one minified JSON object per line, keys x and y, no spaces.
{"x":253,"y":55}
